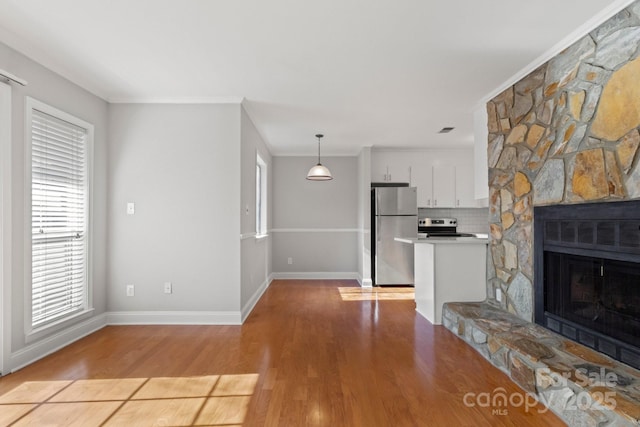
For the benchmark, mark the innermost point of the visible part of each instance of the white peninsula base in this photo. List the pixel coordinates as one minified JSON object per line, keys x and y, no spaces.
{"x":448,"y":270}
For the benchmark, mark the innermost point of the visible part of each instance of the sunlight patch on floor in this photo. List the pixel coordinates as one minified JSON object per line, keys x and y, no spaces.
{"x":376,"y":293}
{"x":214,"y":400}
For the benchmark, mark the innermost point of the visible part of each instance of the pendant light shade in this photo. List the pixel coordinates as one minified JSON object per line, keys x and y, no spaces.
{"x":319,"y":172}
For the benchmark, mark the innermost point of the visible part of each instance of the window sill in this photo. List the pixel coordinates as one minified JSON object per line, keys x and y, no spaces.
{"x":261,"y":236}
{"x":48,"y":329}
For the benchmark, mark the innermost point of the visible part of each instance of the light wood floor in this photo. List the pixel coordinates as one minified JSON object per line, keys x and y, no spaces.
{"x":312,"y":353}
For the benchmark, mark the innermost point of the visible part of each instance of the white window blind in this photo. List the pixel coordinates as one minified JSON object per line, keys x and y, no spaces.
{"x":59,"y":218}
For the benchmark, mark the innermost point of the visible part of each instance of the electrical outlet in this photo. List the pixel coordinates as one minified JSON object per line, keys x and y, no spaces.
{"x":289,"y":260}
{"x":168,"y":288}
{"x":499,"y":294}
{"x":131,"y":291}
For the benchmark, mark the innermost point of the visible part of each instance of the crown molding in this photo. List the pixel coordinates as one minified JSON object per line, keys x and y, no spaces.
{"x":177,"y":100}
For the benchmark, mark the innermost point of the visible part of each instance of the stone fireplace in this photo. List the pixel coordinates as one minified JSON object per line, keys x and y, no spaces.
{"x":566,"y":134}
{"x":560,"y":139}
{"x":587,"y":275}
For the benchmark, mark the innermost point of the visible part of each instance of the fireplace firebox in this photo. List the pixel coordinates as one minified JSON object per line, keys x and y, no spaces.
{"x":587,"y":275}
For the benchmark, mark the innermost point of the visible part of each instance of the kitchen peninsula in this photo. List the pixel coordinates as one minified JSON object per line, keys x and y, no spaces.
{"x":448,"y":269}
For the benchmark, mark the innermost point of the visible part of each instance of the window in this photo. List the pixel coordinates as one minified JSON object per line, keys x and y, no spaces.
{"x":5,"y":225}
{"x":261,"y":196}
{"x":61,"y":148}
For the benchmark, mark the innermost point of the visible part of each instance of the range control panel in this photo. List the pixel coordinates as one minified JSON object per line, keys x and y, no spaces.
{"x":437,"y":222}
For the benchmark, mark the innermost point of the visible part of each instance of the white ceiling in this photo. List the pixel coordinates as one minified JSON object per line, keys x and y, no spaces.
{"x":386,"y":73}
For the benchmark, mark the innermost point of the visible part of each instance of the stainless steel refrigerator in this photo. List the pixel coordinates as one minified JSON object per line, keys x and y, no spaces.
{"x":394,"y":213}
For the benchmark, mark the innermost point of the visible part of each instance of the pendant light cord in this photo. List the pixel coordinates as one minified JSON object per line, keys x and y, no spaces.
{"x":319,"y":136}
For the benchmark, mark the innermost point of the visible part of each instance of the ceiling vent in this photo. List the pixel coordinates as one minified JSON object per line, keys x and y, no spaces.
{"x":446,"y":130}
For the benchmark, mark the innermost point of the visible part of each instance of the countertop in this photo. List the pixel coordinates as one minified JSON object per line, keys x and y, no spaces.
{"x":480,"y":239}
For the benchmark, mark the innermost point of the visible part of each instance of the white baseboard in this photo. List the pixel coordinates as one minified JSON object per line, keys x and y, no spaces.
{"x":174,"y":318}
{"x":248,"y":307}
{"x":365,"y":283}
{"x":316,"y":275}
{"x":55,"y":342}
{"x":426,"y":315}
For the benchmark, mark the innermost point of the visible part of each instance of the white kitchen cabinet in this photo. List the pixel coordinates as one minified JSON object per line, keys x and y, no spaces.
{"x":379,"y":167}
{"x":444,"y":178}
{"x":480,"y":155}
{"x":465,"y":197}
{"x":390,"y":166}
{"x":444,"y":186}
{"x":422,"y":178}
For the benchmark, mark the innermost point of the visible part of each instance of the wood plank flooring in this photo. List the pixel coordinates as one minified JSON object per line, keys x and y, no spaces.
{"x":312,"y":353}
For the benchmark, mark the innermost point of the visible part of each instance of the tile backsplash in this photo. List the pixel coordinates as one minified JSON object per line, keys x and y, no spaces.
{"x":470,"y":220}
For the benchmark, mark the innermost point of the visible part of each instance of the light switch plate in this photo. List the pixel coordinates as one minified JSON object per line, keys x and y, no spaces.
{"x":131,"y":208}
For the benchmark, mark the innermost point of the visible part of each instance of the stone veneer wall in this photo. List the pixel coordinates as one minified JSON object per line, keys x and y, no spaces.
{"x":567,"y":133}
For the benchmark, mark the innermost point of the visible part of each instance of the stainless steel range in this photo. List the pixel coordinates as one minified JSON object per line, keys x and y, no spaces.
{"x":439,"y":227}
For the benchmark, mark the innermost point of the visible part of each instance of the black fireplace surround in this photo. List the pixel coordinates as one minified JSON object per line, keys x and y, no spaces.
{"x":587,"y":275}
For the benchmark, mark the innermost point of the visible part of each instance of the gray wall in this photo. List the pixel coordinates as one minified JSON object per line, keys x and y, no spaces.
{"x":255,"y":253}
{"x":180,"y":164}
{"x":58,"y":92}
{"x":364,"y":217}
{"x":315,"y":223}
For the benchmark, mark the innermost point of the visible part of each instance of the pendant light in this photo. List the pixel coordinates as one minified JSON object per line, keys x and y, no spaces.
{"x":319,"y":172}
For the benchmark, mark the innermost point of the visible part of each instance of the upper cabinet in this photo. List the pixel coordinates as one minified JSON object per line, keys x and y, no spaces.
{"x":481,"y":136}
{"x":444,"y":178}
{"x":465,"y":182}
{"x":444,"y":186}
{"x":422,"y":178}
{"x":392,"y":166}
